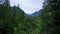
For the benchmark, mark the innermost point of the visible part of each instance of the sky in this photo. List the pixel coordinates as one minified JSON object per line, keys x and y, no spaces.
{"x":28,"y":6}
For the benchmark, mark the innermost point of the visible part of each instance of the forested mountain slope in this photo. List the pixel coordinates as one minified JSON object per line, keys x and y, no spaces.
{"x":14,"y":21}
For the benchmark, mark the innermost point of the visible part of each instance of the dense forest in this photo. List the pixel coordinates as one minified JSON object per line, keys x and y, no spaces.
{"x":14,"y":21}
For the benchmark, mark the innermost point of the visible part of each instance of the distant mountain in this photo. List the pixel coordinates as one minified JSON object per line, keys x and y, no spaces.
{"x":34,"y":14}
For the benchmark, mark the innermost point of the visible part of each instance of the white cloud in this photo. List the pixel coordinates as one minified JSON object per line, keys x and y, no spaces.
{"x":29,"y":6}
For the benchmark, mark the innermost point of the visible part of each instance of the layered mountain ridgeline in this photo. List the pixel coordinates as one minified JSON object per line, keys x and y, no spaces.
{"x":34,"y":14}
{"x":14,"y":21}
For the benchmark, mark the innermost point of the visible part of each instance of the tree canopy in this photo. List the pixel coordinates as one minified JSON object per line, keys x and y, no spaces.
{"x":14,"y":21}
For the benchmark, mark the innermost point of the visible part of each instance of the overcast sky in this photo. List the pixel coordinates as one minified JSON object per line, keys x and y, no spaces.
{"x":28,"y":6}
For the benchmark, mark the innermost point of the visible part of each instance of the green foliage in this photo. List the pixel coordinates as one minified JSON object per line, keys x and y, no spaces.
{"x":50,"y":17}
{"x":13,"y":20}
